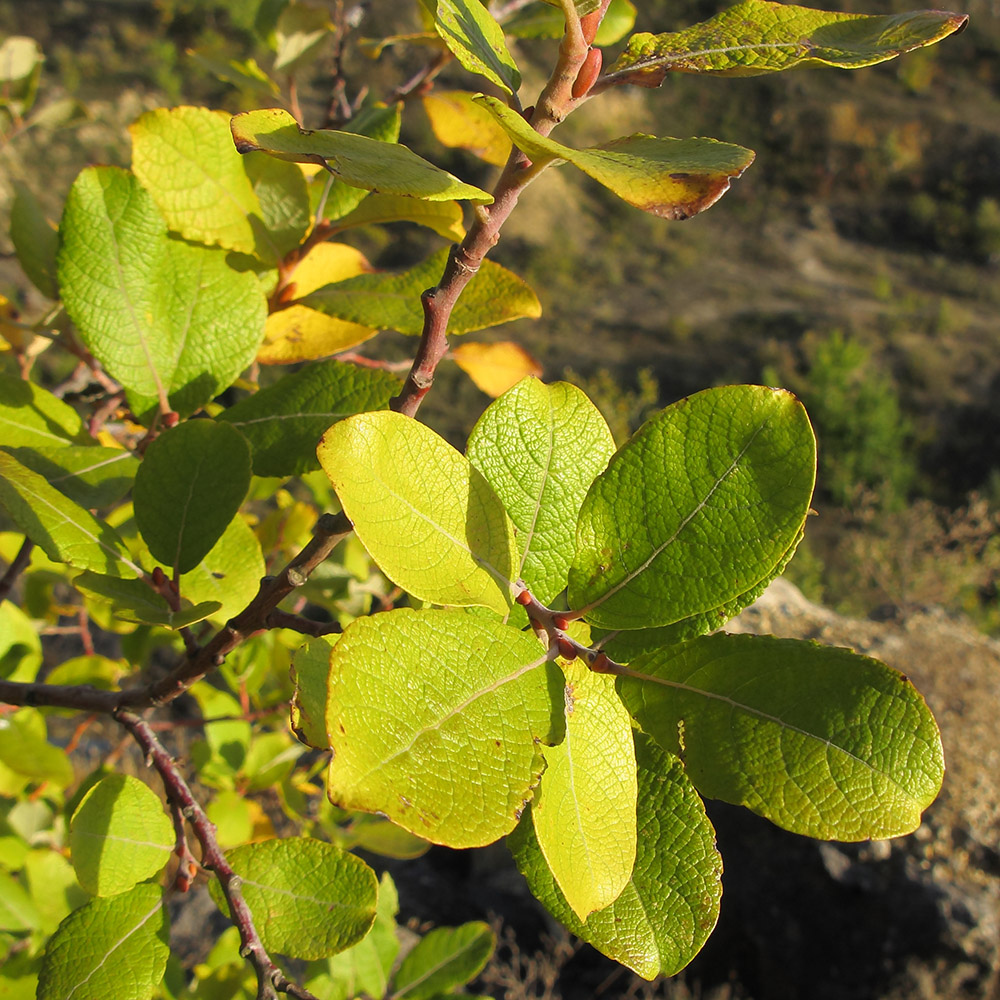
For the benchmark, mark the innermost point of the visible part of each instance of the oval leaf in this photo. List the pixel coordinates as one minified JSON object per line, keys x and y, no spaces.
{"x":496,"y":367}
{"x":540,"y":447}
{"x":356,"y":159}
{"x":759,"y":36}
{"x":459,"y":123}
{"x":819,"y":740}
{"x":701,"y":504}
{"x":89,"y":475}
{"x":170,"y":320}
{"x":584,"y":810}
{"x":33,"y":417}
{"x":119,"y":835}
{"x":185,"y":158}
{"x":391,"y":301}
{"x":65,"y":531}
{"x":477,"y":42}
{"x":424,"y":702}
{"x":190,"y":484}
{"x":284,"y":422}
{"x":672,"y":178}
{"x":308,"y":899}
{"x":668,"y":909}
{"x":444,"y":958}
{"x":427,"y":517}
{"x":112,"y":947}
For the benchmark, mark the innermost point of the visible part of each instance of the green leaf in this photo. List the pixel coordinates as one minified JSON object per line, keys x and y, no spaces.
{"x":166,"y":318}
{"x":281,"y":190}
{"x":284,"y":422}
{"x":185,"y":159}
{"x":35,"y":240}
{"x":89,"y":475}
{"x":310,"y":672}
{"x":119,"y":835}
{"x":31,"y":416}
{"x":300,"y":32}
{"x":701,"y":504}
{"x":136,"y":601}
{"x":671,"y":178}
{"x":20,"y":645}
{"x":443,"y":217}
{"x":476,"y":41}
{"x":541,"y":21}
{"x":584,"y":810}
{"x":820,"y":740}
{"x":624,"y":646}
{"x":53,"y":887}
{"x":392,"y":301}
{"x":540,"y":447}
{"x":444,"y":958}
{"x":355,"y":159}
{"x":377,"y":121}
{"x":230,"y":574}
{"x":669,"y":907}
{"x":427,"y":517}
{"x":192,"y":481}
{"x":245,"y":74}
{"x":423,"y":703}
{"x":308,"y":899}
{"x":65,"y":531}
{"x":757,"y":36}
{"x":112,"y":947}
{"x":17,"y":909}
{"x":365,"y":967}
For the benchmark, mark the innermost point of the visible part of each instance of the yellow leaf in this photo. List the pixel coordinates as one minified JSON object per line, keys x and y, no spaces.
{"x":16,"y":336}
{"x":299,"y":333}
{"x":460,"y":123}
{"x":495,"y":367}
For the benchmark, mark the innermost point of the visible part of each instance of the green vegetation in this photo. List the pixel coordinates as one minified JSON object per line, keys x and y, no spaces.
{"x":518,"y":639}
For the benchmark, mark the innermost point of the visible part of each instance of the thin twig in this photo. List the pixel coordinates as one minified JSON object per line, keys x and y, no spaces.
{"x":16,"y":568}
{"x":270,"y":979}
{"x":285,"y":619}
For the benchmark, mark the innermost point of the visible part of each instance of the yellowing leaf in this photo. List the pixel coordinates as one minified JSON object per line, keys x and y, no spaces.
{"x":672,"y":178}
{"x":458,"y":122}
{"x":584,"y":811}
{"x":758,"y":36}
{"x":495,"y":368}
{"x":299,"y":333}
{"x":444,"y":217}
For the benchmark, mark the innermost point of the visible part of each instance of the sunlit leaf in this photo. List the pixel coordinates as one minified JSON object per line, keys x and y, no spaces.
{"x":477,"y":41}
{"x":495,"y":367}
{"x":701,"y":504}
{"x":422,"y":703}
{"x":759,"y":36}
{"x":391,"y":301}
{"x":820,"y":740}
{"x":355,"y":159}
{"x":458,"y":122}
{"x":119,"y":835}
{"x":672,"y":178}
{"x":308,"y":899}
{"x":424,"y":513}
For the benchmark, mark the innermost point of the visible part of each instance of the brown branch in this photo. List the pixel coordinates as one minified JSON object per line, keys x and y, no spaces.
{"x":285,"y":619}
{"x":556,"y":101}
{"x":16,"y":568}
{"x":329,"y":530}
{"x":270,"y":979}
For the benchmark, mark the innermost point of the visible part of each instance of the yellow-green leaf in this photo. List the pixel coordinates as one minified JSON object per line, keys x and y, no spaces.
{"x":584,"y":810}
{"x":427,"y":517}
{"x":672,"y":178}
{"x":357,"y":160}
{"x":497,"y":367}
{"x":458,"y":122}
{"x":759,"y":36}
